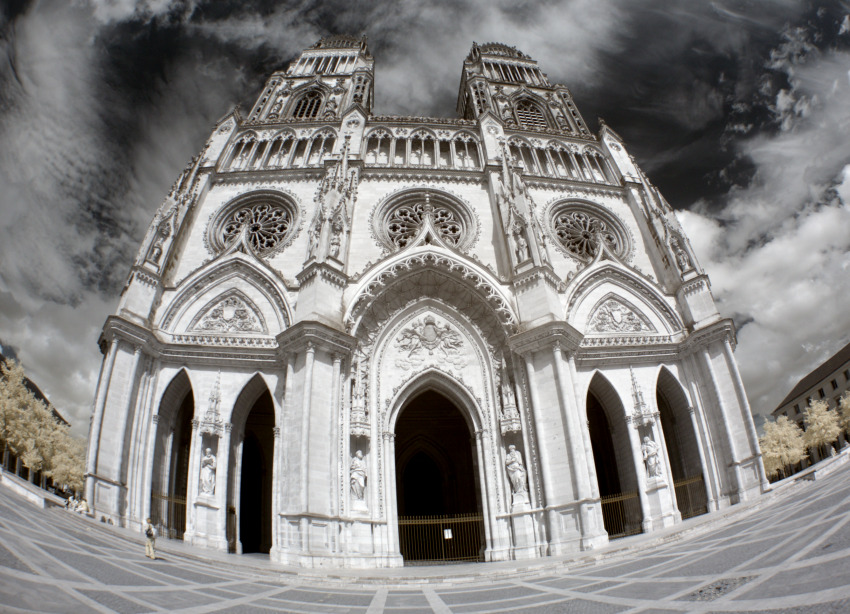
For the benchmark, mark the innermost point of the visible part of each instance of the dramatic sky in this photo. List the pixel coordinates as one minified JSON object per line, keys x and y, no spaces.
{"x":739,"y":110}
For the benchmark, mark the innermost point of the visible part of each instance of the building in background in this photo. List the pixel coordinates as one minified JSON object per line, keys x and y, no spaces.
{"x":827,"y":382}
{"x":358,"y":340}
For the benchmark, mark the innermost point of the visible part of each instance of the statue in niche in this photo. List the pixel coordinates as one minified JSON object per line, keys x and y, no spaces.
{"x":313,"y":244}
{"x":516,"y":471}
{"x":208,"y":467}
{"x":521,"y":247}
{"x":682,"y":258}
{"x":336,"y":240}
{"x":277,"y":107}
{"x":358,"y":476}
{"x":650,"y":450}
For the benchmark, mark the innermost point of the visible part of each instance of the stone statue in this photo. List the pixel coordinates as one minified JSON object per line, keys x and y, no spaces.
{"x":649,"y":449}
{"x":208,"y":466}
{"x":682,"y":258}
{"x":277,"y":107}
{"x":521,"y":247}
{"x":358,"y":476}
{"x":516,"y":470}
{"x":336,"y":240}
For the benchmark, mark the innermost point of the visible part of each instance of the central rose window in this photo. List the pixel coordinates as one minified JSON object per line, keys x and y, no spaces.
{"x":399,"y":220}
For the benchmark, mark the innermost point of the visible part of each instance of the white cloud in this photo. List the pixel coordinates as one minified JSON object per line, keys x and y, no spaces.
{"x":780,"y":260}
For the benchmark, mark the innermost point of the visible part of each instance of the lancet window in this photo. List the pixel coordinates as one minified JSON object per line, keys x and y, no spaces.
{"x":529,"y":115}
{"x":422,"y":149}
{"x":561,"y":161}
{"x":250,"y":152}
{"x":308,"y":106}
{"x":360,"y":94}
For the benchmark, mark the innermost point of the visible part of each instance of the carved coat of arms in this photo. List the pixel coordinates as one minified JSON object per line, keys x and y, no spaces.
{"x":427,"y":340}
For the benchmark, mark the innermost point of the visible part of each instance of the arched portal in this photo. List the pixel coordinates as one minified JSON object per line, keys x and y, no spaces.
{"x":170,"y":478}
{"x":251,"y":471}
{"x":682,"y":446}
{"x":613,"y":459}
{"x":437,"y":486}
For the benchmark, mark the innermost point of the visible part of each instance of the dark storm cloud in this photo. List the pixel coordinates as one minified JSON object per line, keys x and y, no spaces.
{"x":101,"y":105}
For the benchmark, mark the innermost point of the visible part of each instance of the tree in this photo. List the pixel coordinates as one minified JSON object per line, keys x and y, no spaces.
{"x":29,"y":430}
{"x":844,"y":411}
{"x":822,"y":425}
{"x":782,"y":446}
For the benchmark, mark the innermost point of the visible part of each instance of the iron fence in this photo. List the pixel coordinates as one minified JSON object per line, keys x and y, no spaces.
{"x":691,"y":497}
{"x":168,"y":515}
{"x":621,"y":514}
{"x":441,"y":538}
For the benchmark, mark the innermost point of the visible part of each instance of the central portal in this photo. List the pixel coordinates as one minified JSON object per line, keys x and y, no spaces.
{"x":439,"y":510}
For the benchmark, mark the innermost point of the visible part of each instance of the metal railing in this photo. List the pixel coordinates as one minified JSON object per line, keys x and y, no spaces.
{"x":690,"y":496}
{"x":441,"y":538}
{"x":168,"y":515}
{"x":621,"y":514}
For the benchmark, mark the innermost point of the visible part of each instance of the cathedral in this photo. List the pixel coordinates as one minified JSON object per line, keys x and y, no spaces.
{"x":358,"y":340}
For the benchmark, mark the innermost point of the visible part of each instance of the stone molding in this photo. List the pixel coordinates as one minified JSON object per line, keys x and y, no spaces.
{"x":298,"y":336}
{"x":324,"y":271}
{"x":544,"y":337}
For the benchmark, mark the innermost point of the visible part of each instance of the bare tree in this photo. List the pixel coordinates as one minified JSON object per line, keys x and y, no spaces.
{"x":782,"y":446}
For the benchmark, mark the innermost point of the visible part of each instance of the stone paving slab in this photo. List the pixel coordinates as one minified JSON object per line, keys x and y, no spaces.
{"x":785,"y":553}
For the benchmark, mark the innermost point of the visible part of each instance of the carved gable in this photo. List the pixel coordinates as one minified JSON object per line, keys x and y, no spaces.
{"x":614,"y":315}
{"x":231,"y":314}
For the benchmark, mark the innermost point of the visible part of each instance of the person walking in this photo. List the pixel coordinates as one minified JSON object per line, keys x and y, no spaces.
{"x":150,"y":540}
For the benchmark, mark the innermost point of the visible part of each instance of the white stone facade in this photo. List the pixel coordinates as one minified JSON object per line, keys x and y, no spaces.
{"x":328,"y":301}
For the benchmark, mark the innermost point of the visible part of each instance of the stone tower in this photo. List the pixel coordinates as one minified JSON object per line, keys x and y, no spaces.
{"x":354,"y":340}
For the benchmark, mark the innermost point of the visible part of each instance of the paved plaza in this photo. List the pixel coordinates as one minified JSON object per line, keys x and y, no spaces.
{"x":788,"y":552}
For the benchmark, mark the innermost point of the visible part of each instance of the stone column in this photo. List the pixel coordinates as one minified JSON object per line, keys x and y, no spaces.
{"x":389,"y":479}
{"x":97,"y":422}
{"x":222,"y":478}
{"x":640,"y":470}
{"x":734,"y":457}
{"x":333,"y":498}
{"x":125,"y":416}
{"x":712,"y":502}
{"x":194,"y":477}
{"x":149,"y":459}
{"x":553,"y":522}
{"x":585,"y":433}
{"x":703,"y":435}
{"x":305,"y":430}
{"x":485,"y":492}
{"x":746,"y":414}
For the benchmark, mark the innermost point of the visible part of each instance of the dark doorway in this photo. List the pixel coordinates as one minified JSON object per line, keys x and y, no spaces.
{"x":171,"y":479}
{"x":255,"y":497}
{"x":437,"y":490}
{"x":615,"y":474}
{"x":682,"y":450}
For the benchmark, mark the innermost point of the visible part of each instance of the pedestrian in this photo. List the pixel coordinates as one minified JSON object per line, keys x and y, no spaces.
{"x":150,"y":540}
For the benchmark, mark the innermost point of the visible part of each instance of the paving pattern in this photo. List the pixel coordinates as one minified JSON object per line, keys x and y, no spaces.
{"x":789,"y":553}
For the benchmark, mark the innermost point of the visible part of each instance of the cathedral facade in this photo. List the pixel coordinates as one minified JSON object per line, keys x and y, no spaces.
{"x":360,"y":340}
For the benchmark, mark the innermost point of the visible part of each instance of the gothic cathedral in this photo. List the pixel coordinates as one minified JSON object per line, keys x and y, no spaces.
{"x":361,"y":340}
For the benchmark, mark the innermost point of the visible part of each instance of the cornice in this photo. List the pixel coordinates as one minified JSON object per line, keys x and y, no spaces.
{"x":717,"y":331}
{"x":223,"y":351}
{"x":302,"y":335}
{"x":384,"y":173}
{"x":545,"y":336}
{"x":324,"y":271}
{"x":522,"y":281}
{"x":313,"y":173}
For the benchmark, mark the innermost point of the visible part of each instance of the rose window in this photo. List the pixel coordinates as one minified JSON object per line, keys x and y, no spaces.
{"x":269,"y":223}
{"x":581,"y":230}
{"x":405,"y":222}
{"x":400,"y":219}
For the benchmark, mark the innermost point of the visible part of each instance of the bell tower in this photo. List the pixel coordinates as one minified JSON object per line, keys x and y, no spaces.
{"x":322,"y":84}
{"x":509,"y":84}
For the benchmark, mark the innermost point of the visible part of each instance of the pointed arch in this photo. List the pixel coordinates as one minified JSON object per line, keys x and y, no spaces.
{"x":230,"y":271}
{"x":441,"y":382}
{"x":429,"y":271}
{"x":684,"y":451}
{"x":172,"y":445}
{"x":609,"y":277}
{"x":253,"y":389}
{"x":613,"y":459}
